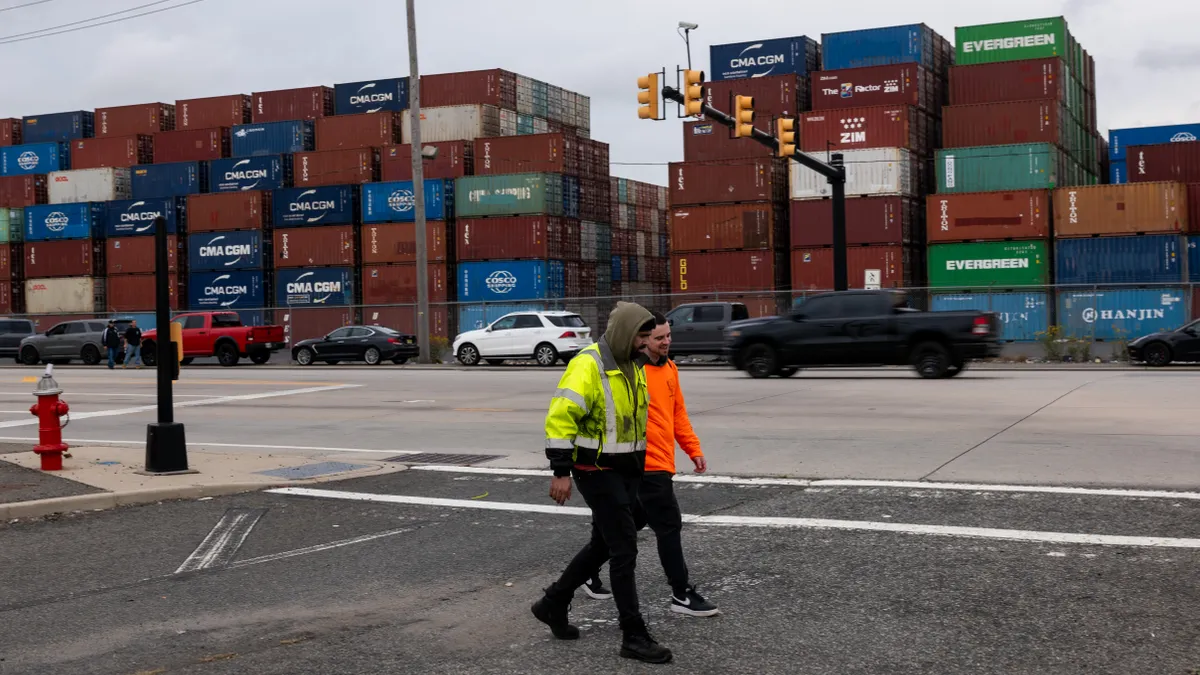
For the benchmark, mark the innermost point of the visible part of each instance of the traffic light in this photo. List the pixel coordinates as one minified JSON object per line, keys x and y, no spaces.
{"x":743,"y":116}
{"x":648,"y":97}
{"x":693,"y":92}
{"x":785,"y":133}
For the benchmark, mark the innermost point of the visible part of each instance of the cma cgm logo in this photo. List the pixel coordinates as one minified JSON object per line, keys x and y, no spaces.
{"x":401,"y":201}
{"x":301,"y":205}
{"x":57,"y":221}
{"x":366,"y":94}
{"x":147,"y":217}
{"x":1183,"y":137}
{"x":216,"y":288}
{"x":213,"y":249}
{"x":1091,"y":314}
{"x":28,"y":160}
{"x":851,"y":127}
{"x":236,"y":172}
{"x":501,"y":281}
{"x":747,"y":59}
{"x":305,"y":286}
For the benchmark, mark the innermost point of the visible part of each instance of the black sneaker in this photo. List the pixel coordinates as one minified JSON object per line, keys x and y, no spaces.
{"x":556,"y":618}
{"x":640,"y":646}
{"x":595,"y":588}
{"x":693,"y":604}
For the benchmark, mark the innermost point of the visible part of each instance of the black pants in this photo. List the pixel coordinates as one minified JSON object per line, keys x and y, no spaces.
{"x":612,"y":498}
{"x":659,"y":509}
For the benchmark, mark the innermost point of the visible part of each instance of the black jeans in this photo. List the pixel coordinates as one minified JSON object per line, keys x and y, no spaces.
{"x":612,"y":498}
{"x":659,"y":509}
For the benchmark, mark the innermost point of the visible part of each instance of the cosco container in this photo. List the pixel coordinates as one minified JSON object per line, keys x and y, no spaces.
{"x":65,"y":221}
{"x":306,"y":103}
{"x":22,"y":191}
{"x":861,"y":128}
{"x":169,"y":180}
{"x":191,"y":145}
{"x":517,"y":237}
{"x":223,"y":211}
{"x":137,"y":255}
{"x":510,"y":280}
{"x":493,"y":87}
{"x":869,"y":173}
{"x":869,"y":220}
{"x":1022,"y":315}
{"x":385,"y":243}
{"x":88,"y":185}
{"x":323,"y":286}
{"x":73,"y":295}
{"x":326,"y":246}
{"x":1133,"y":208}
{"x":304,"y":207}
{"x":1153,"y":259}
{"x":983,"y":216}
{"x":57,"y":128}
{"x":212,"y":291}
{"x":538,"y":153}
{"x":351,"y":98}
{"x":222,"y":251}
{"x":516,"y":194}
{"x":266,"y":172}
{"x":216,"y":111}
{"x":71,"y":258}
{"x":915,"y":43}
{"x":477,"y":317}
{"x":777,"y":56}
{"x":454,"y":159}
{"x":127,"y":120}
{"x":1031,"y":166}
{"x":131,"y":217}
{"x":889,"y":266}
{"x":752,"y":180}
{"x":368,"y":130}
{"x":10,"y":131}
{"x":1011,"y":41}
{"x":1121,"y":314}
{"x":389,"y":284}
{"x":998,"y":264}
{"x":991,"y":124}
{"x":1173,"y":162}
{"x":721,"y":271}
{"x":34,"y":158}
{"x":900,"y":84}
{"x":350,"y":166}
{"x":137,"y":293}
{"x":454,"y":123}
{"x":727,"y":227}
{"x":122,"y":151}
{"x":1119,"y":140}
{"x":1010,"y":81}
{"x":395,"y":202}
{"x":275,"y":138}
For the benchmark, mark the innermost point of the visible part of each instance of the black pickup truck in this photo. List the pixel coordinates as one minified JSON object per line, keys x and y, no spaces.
{"x":862,"y":328}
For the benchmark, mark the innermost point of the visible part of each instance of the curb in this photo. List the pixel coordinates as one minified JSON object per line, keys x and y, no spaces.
{"x":110,"y":500}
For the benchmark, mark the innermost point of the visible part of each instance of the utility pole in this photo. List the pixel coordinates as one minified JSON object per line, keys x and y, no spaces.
{"x":418,"y":171}
{"x":166,"y":445}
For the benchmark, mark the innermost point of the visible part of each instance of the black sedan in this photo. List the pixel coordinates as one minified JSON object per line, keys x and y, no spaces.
{"x":1160,"y":349}
{"x":373,"y":344}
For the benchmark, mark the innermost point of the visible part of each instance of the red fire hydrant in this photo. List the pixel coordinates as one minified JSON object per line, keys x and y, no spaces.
{"x":48,"y":409}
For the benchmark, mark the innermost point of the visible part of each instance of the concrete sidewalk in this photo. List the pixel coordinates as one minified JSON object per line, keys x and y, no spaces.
{"x":109,"y":477}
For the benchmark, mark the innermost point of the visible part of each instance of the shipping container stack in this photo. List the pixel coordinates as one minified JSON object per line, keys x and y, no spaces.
{"x":639,"y":245}
{"x":13,"y":200}
{"x":878,"y":101}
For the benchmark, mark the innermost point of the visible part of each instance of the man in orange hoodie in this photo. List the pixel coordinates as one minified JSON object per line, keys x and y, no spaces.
{"x":668,"y":423}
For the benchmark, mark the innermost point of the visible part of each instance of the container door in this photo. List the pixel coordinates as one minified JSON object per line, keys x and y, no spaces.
{"x":498,"y":340}
{"x":527,"y":333}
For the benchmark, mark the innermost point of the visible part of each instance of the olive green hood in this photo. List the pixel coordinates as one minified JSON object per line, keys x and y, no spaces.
{"x":623,"y":325}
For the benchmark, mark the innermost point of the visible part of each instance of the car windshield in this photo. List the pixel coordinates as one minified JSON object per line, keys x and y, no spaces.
{"x":567,"y":321}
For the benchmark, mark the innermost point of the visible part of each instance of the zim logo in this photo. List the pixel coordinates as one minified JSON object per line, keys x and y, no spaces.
{"x":847,"y":90}
{"x":853,"y":136}
{"x":501,"y":281}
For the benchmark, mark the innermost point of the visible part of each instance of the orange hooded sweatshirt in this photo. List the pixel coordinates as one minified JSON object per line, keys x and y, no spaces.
{"x":668,"y":418}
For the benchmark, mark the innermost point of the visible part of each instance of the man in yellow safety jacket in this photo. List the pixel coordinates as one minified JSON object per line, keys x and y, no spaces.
{"x":596,"y":431}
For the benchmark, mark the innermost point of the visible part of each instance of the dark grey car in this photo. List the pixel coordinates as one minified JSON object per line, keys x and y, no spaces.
{"x":12,"y":331}
{"x":64,"y":343}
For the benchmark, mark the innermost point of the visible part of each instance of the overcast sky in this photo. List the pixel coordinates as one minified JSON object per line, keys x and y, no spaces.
{"x":1147,"y":53}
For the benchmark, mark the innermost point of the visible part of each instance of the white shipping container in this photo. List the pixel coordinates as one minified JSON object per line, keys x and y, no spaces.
{"x":873,"y":172}
{"x":89,"y":185}
{"x":455,"y":123}
{"x":524,"y":95}
{"x":65,"y":296}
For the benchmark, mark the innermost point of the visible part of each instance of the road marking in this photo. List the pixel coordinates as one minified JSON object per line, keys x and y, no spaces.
{"x":75,"y":394}
{"x":195,"y":444}
{"x":483,"y":410}
{"x":223,"y":541}
{"x":318,"y":548}
{"x":776,"y":522}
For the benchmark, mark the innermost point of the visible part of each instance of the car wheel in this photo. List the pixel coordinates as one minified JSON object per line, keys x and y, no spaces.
{"x":957,"y":368}
{"x":495,"y":362}
{"x":372,"y":356}
{"x":150,"y":356}
{"x":227,"y":355}
{"x":90,"y":355}
{"x":931,"y":360}
{"x":468,"y":355}
{"x":260,"y":357}
{"x":545,"y":354}
{"x":29,"y":355}
{"x":1157,"y":354}
{"x":788,"y":372}
{"x":400,"y":360}
{"x":304,"y":356}
{"x":761,"y":361}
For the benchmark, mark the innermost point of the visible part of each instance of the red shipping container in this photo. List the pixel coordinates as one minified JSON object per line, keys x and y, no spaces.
{"x":325,"y":246}
{"x":454,"y":160}
{"x":774,"y":96}
{"x":12,"y":262}
{"x":116,"y":151}
{"x":315,"y":322}
{"x":812,"y":268}
{"x":487,"y":87}
{"x":10,"y":131}
{"x":191,"y":145}
{"x":536,"y":153}
{"x":720,"y":271}
{"x":137,"y":292}
{"x":20,"y":191}
{"x":221,"y":211}
{"x":12,"y":300}
{"x":368,"y":130}
{"x":709,"y":141}
{"x":869,"y":220}
{"x":900,"y":84}
{"x":1193,"y":202}
{"x":517,"y":238}
{"x":751,"y":180}
{"x":392,"y":284}
{"x":397,"y":242}
{"x":404,"y":319}
{"x":68,"y":258}
{"x":1035,"y":121}
{"x":306,"y":103}
{"x":351,"y":166}
{"x":136,"y":255}
{"x":1009,"y":81}
{"x":128,"y":120}
{"x":984,"y":216}
{"x":594,"y":162}
{"x":1179,"y":162}
{"x":872,"y":127}
{"x":732,"y":227}
{"x":217,"y":111}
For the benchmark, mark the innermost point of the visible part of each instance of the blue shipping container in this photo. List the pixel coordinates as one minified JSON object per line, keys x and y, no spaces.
{"x":51,"y":222}
{"x":132,"y":217}
{"x":476,"y":317}
{"x":271,"y":138}
{"x":216,"y":251}
{"x":1128,"y":314}
{"x":303,"y":207}
{"x":323,"y":286}
{"x":1154,"y":259}
{"x":393,"y":202}
{"x":616,"y":268}
{"x":878,"y":47}
{"x":1117,"y":173}
{"x":58,"y":127}
{"x":1119,"y":140}
{"x":268,"y":172}
{"x":146,"y":321}
{"x":778,"y":56}
{"x":176,"y":179}
{"x":20,"y":160}
{"x":371,"y":96}
{"x":1022,"y":315}
{"x":510,"y":280}
{"x":1193,"y":253}
{"x":209,"y":291}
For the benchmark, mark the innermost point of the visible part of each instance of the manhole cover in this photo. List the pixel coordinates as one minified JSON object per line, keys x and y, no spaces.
{"x":443,"y":458}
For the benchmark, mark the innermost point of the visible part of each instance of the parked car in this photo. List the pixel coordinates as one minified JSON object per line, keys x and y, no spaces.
{"x":372,"y":344}
{"x":12,"y":331}
{"x":699,"y":328}
{"x":863,"y":328}
{"x":219,"y":334}
{"x":544,"y":337}
{"x":1160,"y":349}
{"x":65,"y":342}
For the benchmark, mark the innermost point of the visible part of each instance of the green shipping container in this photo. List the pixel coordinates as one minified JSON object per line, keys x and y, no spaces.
{"x":12,"y":225}
{"x":990,"y":264}
{"x":1014,"y":41}
{"x":509,"y":195}
{"x":991,"y":168}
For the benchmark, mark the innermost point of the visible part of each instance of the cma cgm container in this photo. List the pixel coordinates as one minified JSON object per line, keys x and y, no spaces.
{"x":890,"y":266}
{"x":538,"y":153}
{"x":58,"y":127}
{"x":727,"y":227}
{"x":915,"y":43}
{"x":368,"y":130}
{"x":454,"y":123}
{"x":191,"y":145}
{"x":136,"y":255}
{"x":753,"y":180}
{"x":1011,"y":41}
{"x":222,"y":251}
{"x":88,"y":185}
{"x":517,"y":237}
{"x":775,"y":95}
{"x":351,"y":98}
{"x":721,"y":271}
{"x":314,"y":286}
{"x":1022,"y":315}
{"x":395,"y":202}
{"x":454,"y":160}
{"x":1119,"y":140}
{"x":860,"y":128}
{"x":869,"y":220}
{"x":10,"y":131}
{"x":332,"y":245}
{"x":178,"y":179}
{"x":1133,"y":208}
{"x":1154,"y":259}
{"x":876,"y":172}
{"x":223,"y":211}
{"x":387,"y":284}
{"x":514,"y":194}
{"x":1174,"y":162}
{"x":22,"y":191}
{"x":709,"y":141}
{"x":216,"y":111}
{"x":307,"y":103}
{"x":1030,"y":166}
{"x":72,"y":295}
{"x":34,"y":158}
{"x":137,"y":293}
{"x":276,"y":138}
{"x":385,"y":243}
{"x":510,"y":280}
{"x":336,"y":167}
{"x":1121,"y":314}
{"x":126,"y":120}
{"x":983,"y":216}
{"x":132,"y":217}
{"x":1036,"y":121}
{"x":998,"y":264}
{"x":741,"y":60}
{"x":267,"y":172}
{"x":72,"y":258}
{"x":64,"y":221}
{"x":121,"y":151}
{"x":304,"y":207}
{"x":210,"y":291}
{"x":1010,"y":81}
{"x":493,"y":87}
{"x":900,"y":84}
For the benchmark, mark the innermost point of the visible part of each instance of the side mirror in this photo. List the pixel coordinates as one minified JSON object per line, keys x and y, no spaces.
{"x":488,"y":329}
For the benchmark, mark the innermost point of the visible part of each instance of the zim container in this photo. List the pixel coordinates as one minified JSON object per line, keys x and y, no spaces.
{"x":1121,"y":314}
{"x":385,"y":243}
{"x":388,"y":284}
{"x":872,"y":127}
{"x":1023,"y":316}
{"x":216,"y":111}
{"x":136,"y":255}
{"x":721,"y":271}
{"x":889,"y":266}
{"x":983,"y":216}
{"x":998,"y":265}
{"x":900,"y":84}
{"x":454,"y":159}
{"x":727,"y":227}
{"x":332,"y":245}
{"x":869,"y":220}
{"x":1132,"y":208}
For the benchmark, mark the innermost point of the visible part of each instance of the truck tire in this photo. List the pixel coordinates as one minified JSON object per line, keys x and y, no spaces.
{"x":931,"y":360}
{"x":760,"y":361}
{"x":149,"y":354}
{"x":227,"y":355}
{"x":260,"y":357}
{"x":29,"y":355}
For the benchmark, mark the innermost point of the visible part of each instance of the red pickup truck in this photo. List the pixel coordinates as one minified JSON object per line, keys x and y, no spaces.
{"x":219,"y":334}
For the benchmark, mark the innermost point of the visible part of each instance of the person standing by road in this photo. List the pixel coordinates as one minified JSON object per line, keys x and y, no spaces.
{"x":112,"y":342}
{"x":596,"y":431}
{"x":668,"y":422}
{"x":133,"y":345}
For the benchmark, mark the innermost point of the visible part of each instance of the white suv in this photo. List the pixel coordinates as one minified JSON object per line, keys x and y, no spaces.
{"x":545,"y":337}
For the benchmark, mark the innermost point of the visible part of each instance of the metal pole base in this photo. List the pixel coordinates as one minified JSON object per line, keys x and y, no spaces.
{"x":166,"y":449}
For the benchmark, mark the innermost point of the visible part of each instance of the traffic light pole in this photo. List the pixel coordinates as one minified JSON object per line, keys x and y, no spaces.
{"x":418,"y":170}
{"x":835,"y":172}
{"x":166,"y":446}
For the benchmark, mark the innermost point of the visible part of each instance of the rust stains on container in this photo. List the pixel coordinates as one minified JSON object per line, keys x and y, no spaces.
{"x":191,"y":145}
{"x":351,"y":166}
{"x":454,"y":160}
{"x":988,"y":216}
{"x":727,"y":227}
{"x":724,"y":182}
{"x":869,"y":220}
{"x":515,"y":238}
{"x":708,"y":141}
{"x":112,"y":151}
{"x":305,"y":103}
{"x":899,"y":84}
{"x":314,"y":322}
{"x":404,"y":319}
{"x":137,"y":292}
{"x":391,"y":284}
{"x":21,"y":191}
{"x":720,"y":271}
{"x":486,"y":87}
{"x":329,"y":246}
{"x":135,"y":255}
{"x":537,"y":153}
{"x":1008,"y":81}
{"x":387,"y":243}
{"x":219,"y":211}
{"x":897,"y":267}
{"x":128,"y":120}
{"x":1010,"y":123}
{"x":217,"y":111}
{"x":70,"y":258}
{"x":367,"y":130}
{"x":1131,"y":208}
{"x":1169,"y":161}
